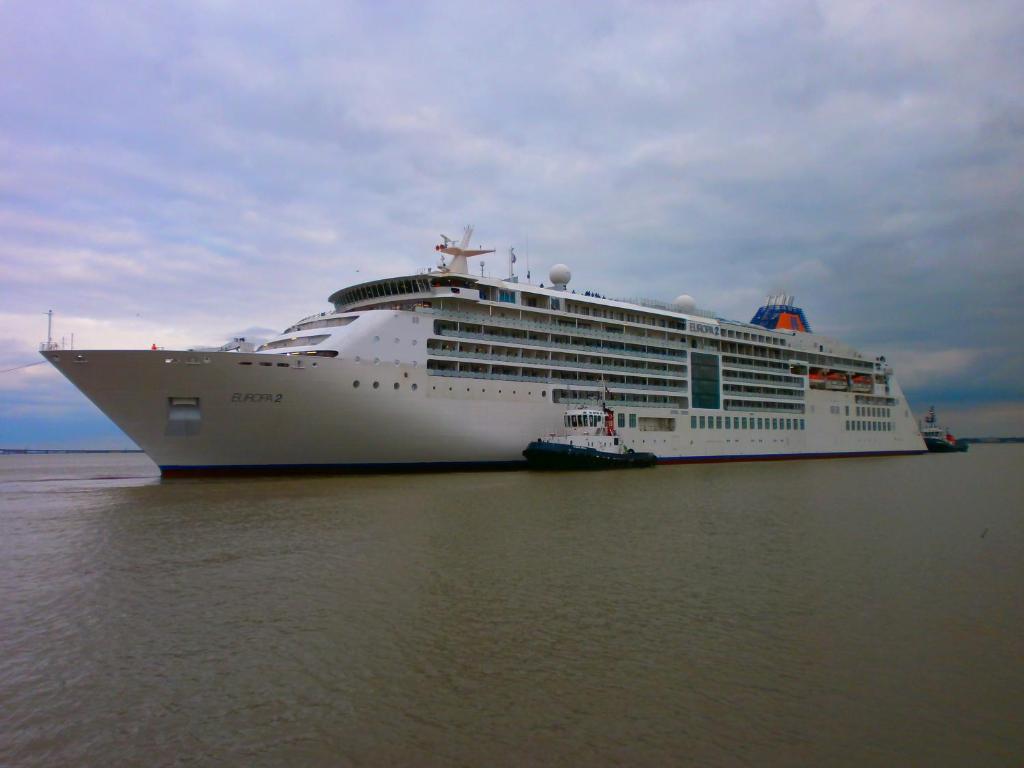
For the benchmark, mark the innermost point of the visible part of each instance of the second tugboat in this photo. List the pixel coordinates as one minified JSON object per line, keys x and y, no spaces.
{"x":939,"y":439}
{"x":588,"y":441}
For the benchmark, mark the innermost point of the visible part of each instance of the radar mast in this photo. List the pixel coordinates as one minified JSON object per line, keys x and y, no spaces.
{"x":459,"y":253}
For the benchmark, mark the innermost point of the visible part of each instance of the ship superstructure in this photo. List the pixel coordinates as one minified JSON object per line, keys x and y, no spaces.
{"x":444,"y":370}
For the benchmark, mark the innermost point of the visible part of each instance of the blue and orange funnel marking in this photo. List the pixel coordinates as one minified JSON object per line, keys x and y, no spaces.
{"x":779,"y":313}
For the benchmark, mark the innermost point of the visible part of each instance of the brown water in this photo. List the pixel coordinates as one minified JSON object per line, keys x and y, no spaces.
{"x":855,"y":612}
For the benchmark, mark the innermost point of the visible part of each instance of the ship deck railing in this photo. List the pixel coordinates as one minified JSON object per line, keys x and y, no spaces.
{"x":555,"y":328}
{"x":554,"y":380}
{"x":516,"y":342}
{"x":542,"y":362}
{"x":759,"y":383}
{"x":612,"y":403}
{"x":757,"y":395}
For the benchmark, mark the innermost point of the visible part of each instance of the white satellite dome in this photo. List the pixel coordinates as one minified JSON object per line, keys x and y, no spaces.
{"x":685,"y":303}
{"x":560,"y":275}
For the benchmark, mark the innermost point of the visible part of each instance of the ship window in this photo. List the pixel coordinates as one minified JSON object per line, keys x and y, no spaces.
{"x":706,"y":380}
{"x":632,"y":420}
{"x":396,"y":385}
{"x":801,"y":423}
{"x":744,"y":422}
{"x":295,"y":341}
{"x":376,"y":385}
{"x":789,"y":424}
{"x":355,"y":384}
{"x":702,"y":422}
{"x":183,"y":417}
{"x":847,"y":425}
{"x":728,"y":422}
{"x":693,"y":422}
{"x":622,"y":420}
{"x":775,"y":423}
{"x":718,"y":422}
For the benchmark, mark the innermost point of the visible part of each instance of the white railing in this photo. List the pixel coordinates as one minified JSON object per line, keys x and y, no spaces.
{"x":555,"y":328}
{"x":590,"y":348}
{"x":540,"y":362}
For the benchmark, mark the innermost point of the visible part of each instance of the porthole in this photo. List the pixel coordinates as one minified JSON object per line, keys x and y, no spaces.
{"x":376,"y":361}
{"x":405,"y":375}
{"x":414,"y":387}
{"x":397,"y":363}
{"x":396,"y":339}
{"x":355,"y":384}
{"x":358,"y":358}
{"x":414,"y":342}
{"x":396,"y":385}
{"x":376,"y":338}
{"x":376,"y":385}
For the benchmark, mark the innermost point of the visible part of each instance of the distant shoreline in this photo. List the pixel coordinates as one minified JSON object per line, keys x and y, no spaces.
{"x":37,"y":451}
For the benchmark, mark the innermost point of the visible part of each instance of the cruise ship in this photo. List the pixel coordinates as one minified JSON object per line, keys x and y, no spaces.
{"x":447,"y":370}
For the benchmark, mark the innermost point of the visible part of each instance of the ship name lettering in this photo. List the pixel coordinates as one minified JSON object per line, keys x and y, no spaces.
{"x":714,"y":330}
{"x":252,"y":397}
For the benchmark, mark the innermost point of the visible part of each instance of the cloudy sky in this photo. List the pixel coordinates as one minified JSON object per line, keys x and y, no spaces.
{"x":181,"y":173}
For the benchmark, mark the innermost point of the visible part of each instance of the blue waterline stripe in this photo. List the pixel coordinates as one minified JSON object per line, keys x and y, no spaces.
{"x":428,"y":466}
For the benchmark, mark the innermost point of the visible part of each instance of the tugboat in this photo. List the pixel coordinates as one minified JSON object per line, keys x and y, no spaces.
{"x":939,"y":439}
{"x":588,"y":441}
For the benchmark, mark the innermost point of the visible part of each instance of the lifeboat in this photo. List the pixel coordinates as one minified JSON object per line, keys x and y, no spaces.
{"x":862,"y":383}
{"x":836,"y":380}
{"x":817,"y":379}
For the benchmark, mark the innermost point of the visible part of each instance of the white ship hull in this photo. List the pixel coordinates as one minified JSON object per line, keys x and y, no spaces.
{"x":292,"y":415}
